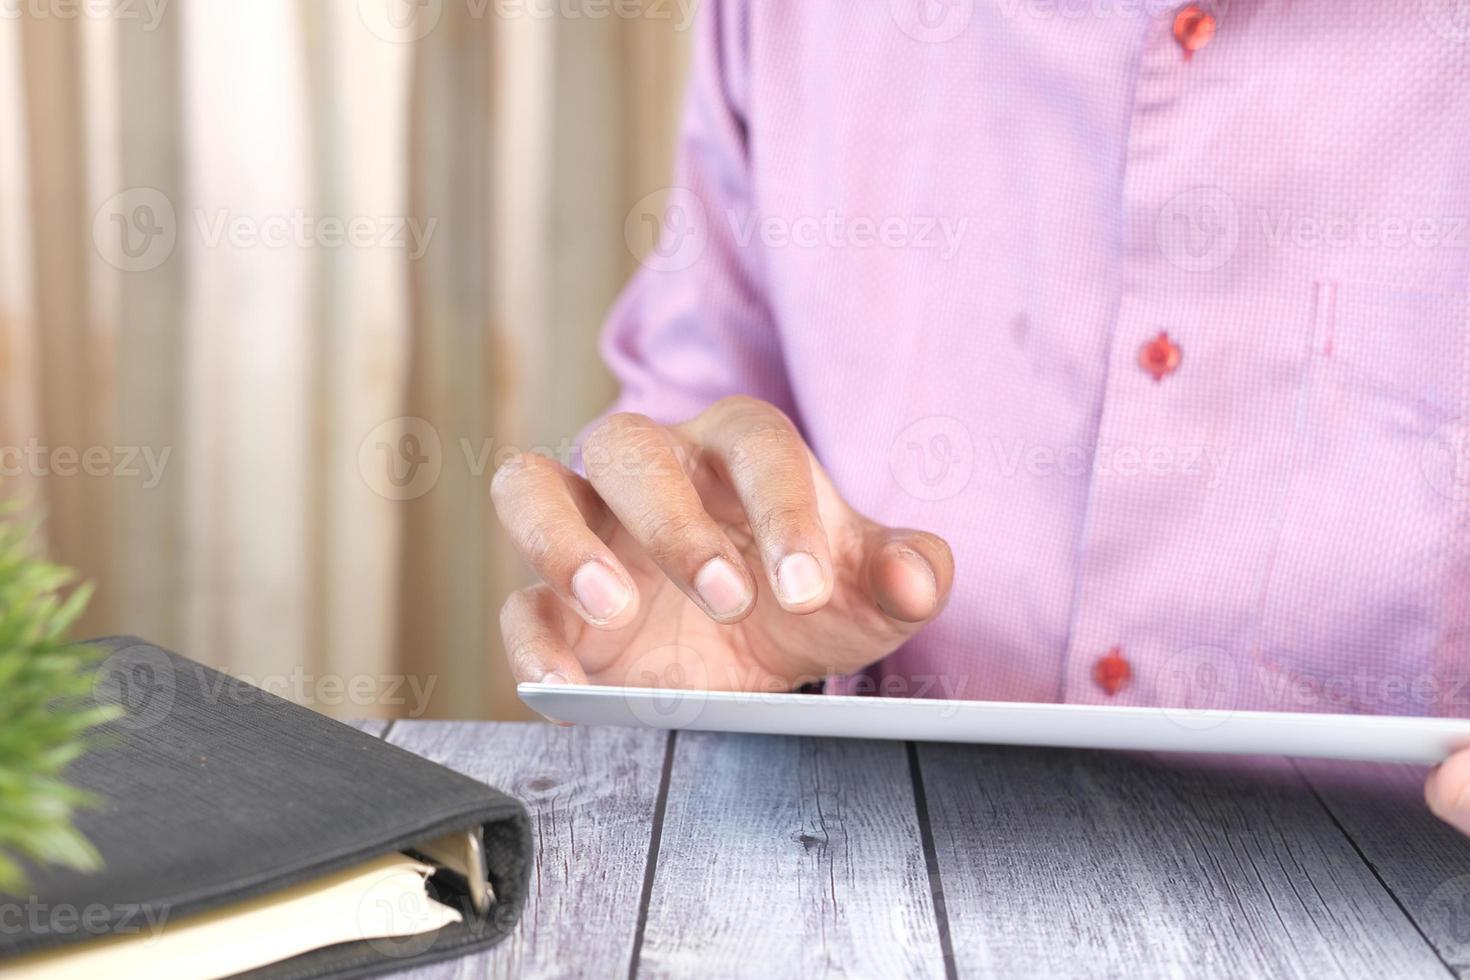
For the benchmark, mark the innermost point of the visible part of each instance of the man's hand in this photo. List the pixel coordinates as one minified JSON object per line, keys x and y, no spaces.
{"x":714,"y":554}
{"x":1448,"y":791}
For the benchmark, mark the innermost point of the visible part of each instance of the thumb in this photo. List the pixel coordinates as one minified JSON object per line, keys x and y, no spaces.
{"x":908,"y":574}
{"x":1447,"y":790}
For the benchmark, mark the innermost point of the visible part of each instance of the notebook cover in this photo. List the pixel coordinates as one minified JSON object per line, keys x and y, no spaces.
{"x":213,"y":790}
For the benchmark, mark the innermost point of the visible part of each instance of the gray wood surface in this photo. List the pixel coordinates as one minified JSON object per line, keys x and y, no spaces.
{"x":790,"y":857}
{"x":779,"y":857}
{"x":592,"y":793}
{"x":1424,"y":862}
{"x":1097,"y":864}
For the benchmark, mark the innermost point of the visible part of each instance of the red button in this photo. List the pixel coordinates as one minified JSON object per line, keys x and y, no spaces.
{"x":1193,"y":28}
{"x":1160,"y":357}
{"x":1112,"y":672}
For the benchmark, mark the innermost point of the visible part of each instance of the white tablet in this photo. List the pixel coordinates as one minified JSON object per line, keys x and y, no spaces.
{"x":1371,"y":737}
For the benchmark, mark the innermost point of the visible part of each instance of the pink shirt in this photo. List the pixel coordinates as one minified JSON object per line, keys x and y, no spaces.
{"x":1172,"y":346}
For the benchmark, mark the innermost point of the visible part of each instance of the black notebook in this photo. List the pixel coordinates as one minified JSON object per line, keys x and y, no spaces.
{"x":245,"y":835}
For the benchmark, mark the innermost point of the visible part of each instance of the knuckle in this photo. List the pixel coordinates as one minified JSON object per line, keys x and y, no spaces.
{"x":545,"y":543}
{"x":735,"y":405}
{"x":523,"y":660}
{"x":523,"y":612}
{"x":620,"y":437}
{"x":618,"y":428}
{"x":781,"y":519}
{"x":516,"y":610}
{"x":666,"y":534}
{"x":749,"y":410}
{"x":760,"y":442}
{"x":512,"y":474}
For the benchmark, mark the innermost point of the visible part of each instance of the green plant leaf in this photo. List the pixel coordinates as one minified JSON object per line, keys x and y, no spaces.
{"x":47,"y":718}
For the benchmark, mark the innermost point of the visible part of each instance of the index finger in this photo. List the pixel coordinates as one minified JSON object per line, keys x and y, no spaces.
{"x":760,"y":455}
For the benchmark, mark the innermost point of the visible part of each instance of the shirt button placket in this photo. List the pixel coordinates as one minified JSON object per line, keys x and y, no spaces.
{"x":1112,"y":672}
{"x":1194,"y":27}
{"x":1160,"y":357}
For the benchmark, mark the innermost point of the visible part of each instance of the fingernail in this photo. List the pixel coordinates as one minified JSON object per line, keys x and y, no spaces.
{"x":600,"y":592}
{"x":799,"y":578}
{"x":920,"y":564}
{"x":555,"y":678}
{"x":722,"y":588}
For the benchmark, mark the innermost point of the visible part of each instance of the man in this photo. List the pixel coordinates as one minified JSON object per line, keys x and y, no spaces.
{"x":1155,"y":320}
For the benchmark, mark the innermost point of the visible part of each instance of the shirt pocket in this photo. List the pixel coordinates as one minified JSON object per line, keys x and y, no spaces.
{"x":1398,"y":347}
{"x":1365,"y":594}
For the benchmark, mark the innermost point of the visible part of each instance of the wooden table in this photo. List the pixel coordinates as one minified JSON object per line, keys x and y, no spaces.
{"x":702,"y":855}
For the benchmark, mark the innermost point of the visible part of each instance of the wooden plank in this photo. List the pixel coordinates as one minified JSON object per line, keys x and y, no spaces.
{"x":373,"y":727}
{"x":592,"y":794}
{"x":1097,"y":864}
{"x":787,"y":857}
{"x":1424,"y":862}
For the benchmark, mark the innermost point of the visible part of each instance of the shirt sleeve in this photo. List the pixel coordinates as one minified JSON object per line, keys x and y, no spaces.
{"x":694,"y":325}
